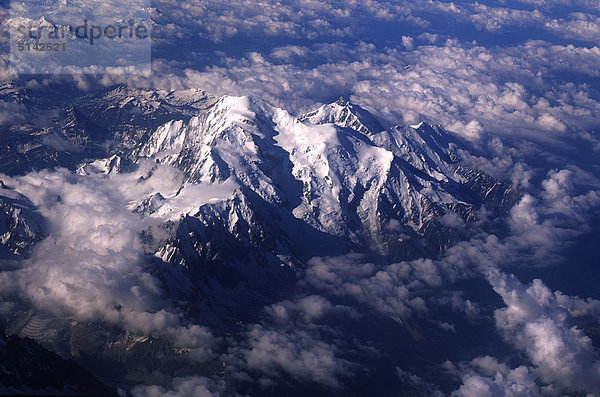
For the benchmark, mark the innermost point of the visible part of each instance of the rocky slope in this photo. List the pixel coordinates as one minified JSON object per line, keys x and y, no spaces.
{"x":28,"y":368}
{"x":256,"y":193}
{"x":20,"y":226}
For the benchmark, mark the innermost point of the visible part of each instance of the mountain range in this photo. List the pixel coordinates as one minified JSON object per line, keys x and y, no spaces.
{"x":258,"y":192}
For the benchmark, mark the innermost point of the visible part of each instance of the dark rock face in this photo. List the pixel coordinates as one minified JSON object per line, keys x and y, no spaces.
{"x":27,"y":367}
{"x":20,"y":226}
{"x":327,"y":183}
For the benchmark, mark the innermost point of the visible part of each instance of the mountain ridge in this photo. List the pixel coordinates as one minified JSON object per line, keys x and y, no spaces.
{"x":255,"y":192}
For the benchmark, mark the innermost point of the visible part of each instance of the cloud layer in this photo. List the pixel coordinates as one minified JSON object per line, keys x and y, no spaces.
{"x":93,"y":263}
{"x":501,"y":74}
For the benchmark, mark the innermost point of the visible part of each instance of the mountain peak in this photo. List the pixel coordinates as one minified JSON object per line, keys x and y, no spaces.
{"x":345,"y":114}
{"x":342,"y":101}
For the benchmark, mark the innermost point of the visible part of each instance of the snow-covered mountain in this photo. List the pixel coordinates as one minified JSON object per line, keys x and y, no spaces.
{"x":126,"y":115}
{"x":251,"y":193}
{"x":373,"y":189}
{"x":261,"y":186}
{"x":344,"y":114}
{"x":59,"y":125}
{"x":20,"y":226}
{"x":262,"y":191}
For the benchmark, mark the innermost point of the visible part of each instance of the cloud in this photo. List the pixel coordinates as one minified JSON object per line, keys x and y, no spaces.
{"x":217,"y":21}
{"x":307,"y":309}
{"x":59,"y":143}
{"x":291,"y":341}
{"x":418,"y":384}
{"x":487,"y":377}
{"x":452,"y":220}
{"x":317,"y":51}
{"x":540,"y":227}
{"x":578,"y":26}
{"x":534,"y":321}
{"x":549,"y":221}
{"x":11,"y":113}
{"x":93,"y":265}
{"x":408,"y":42}
{"x":295,"y":352}
{"x":184,"y":387}
{"x":81,"y":52}
{"x":413,"y":290}
{"x":388,"y":290}
{"x":293,"y":55}
{"x":467,"y":89}
{"x":522,"y":87}
{"x":459,"y":304}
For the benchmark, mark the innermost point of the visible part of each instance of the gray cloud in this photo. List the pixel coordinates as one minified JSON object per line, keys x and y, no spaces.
{"x":11,"y":113}
{"x":485,"y":376}
{"x":94,"y":262}
{"x":217,"y":21}
{"x":296,"y":352}
{"x":467,"y":89}
{"x":541,"y":89}
{"x":92,"y":265}
{"x":184,"y":387}
{"x":540,"y":228}
{"x":524,"y":89}
{"x":290,"y":341}
{"x":536,"y":323}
